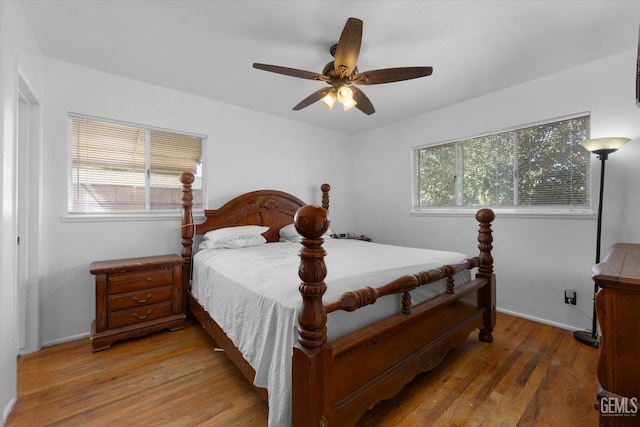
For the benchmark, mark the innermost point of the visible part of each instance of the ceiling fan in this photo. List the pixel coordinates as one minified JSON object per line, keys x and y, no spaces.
{"x":342,"y":73}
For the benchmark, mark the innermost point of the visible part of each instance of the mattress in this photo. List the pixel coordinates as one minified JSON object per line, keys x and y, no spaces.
{"x":252,"y":293}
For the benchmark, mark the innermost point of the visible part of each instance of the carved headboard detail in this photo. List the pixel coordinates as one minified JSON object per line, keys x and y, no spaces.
{"x":270,"y":204}
{"x":272,"y":208}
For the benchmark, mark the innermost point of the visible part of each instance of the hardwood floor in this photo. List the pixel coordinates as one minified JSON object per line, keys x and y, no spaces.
{"x":531,"y":375}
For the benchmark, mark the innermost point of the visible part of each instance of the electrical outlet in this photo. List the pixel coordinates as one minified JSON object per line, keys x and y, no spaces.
{"x":570,"y":296}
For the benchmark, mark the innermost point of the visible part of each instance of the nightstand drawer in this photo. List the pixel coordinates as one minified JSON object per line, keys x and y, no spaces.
{"x":138,"y":315}
{"x":145,"y":279}
{"x":139,"y":298}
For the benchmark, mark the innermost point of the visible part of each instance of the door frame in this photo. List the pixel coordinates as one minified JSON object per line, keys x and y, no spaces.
{"x":28,"y":203}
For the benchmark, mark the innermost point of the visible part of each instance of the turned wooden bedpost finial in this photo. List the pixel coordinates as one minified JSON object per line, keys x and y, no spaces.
{"x":485,"y":239}
{"x":312,"y":222}
{"x":325,"y":195}
{"x":487,"y":295}
{"x":188,"y":230}
{"x":187,"y":179}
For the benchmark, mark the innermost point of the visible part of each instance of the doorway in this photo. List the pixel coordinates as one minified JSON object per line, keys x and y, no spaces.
{"x":28,"y":218}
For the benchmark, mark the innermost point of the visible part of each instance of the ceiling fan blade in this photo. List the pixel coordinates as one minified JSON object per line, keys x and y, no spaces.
{"x":363,"y":102}
{"x":288,"y":71}
{"x":348,"y":48}
{"x":315,"y":96}
{"x":389,"y":75}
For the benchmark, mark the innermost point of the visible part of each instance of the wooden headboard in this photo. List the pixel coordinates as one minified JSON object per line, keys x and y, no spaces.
{"x":271,"y":208}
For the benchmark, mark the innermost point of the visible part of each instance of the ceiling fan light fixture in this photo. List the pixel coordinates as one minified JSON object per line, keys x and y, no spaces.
{"x":343,"y":72}
{"x":349,"y":103}
{"x":329,"y":99}
{"x":345,"y":94}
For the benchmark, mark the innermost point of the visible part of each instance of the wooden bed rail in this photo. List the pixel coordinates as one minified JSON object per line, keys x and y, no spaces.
{"x":351,"y":301}
{"x":312,"y":222}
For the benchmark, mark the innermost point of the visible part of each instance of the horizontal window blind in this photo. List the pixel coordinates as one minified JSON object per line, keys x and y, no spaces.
{"x":121,"y":168}
{"x":543,"y":165}
{"x":436,"y":175}
{"x":552,"y":165}
{"x":487,"y":178}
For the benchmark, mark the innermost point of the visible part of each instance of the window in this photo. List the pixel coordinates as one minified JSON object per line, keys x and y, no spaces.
{"x":125,"y":168}
{"x":540,"y":166}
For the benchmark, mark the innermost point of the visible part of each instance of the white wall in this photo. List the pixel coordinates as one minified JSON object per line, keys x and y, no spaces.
{"x":535,"y":258}
{"x":245,"y":151}
{"x":627,"y":161}
{"x":19,"y":56}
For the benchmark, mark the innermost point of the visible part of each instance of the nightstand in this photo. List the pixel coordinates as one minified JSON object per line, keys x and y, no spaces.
{"x":136,"y":296}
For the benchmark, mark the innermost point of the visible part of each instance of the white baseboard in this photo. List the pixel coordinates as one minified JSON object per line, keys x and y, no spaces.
{"x":65,"y":339}
{"x":7,"y":410}
{"x":539,"y":320}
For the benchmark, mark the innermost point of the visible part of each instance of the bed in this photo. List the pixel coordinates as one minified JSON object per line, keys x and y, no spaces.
{"x":327,"y":353}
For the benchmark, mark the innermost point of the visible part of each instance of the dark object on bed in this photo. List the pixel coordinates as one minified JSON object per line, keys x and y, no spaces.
{"x":382,"y":357}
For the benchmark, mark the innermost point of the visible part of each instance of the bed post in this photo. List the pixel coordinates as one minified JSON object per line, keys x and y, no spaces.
{"x":325,"y":195}
{"x":312,"y":222}
{"x":311,"y":358}
{"x":486,"y":295}
{"x":188,"y":229}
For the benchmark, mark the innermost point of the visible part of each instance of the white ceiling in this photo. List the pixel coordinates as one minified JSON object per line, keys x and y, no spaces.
{"x":207,"y":48}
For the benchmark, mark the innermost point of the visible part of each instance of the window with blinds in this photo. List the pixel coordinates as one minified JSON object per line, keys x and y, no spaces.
{"x":540,"y":166}
{"x":124,"y":168}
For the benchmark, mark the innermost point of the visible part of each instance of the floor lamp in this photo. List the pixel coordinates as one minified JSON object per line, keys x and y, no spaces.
{"x":602,"y":147}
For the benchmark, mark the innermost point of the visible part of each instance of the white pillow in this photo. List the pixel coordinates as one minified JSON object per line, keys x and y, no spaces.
{"x":294,"y":239}
{"x":238,"y":232}
{"x":233,"y":243}
{"x":288,"y":233}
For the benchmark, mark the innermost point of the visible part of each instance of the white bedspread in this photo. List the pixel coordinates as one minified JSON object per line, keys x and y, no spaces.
{"x":252,"y":293}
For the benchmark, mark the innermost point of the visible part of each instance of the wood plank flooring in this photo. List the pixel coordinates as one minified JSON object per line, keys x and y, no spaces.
{"x":531,"y":375}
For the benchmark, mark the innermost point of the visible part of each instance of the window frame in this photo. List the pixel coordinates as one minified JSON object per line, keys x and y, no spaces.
{"x":147,"y":214}
{"x":545,"y":211}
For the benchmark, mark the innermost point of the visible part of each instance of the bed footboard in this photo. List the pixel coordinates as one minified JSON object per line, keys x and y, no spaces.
{"x":334,"y":383}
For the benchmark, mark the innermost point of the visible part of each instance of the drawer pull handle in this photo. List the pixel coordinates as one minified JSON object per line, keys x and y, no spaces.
{"x":149,"y":279}
{"x":137,"y":316}
{"x":142,"y":301}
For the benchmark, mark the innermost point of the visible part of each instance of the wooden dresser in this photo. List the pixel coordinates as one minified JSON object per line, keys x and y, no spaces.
{"x":136,"y":296}
{"x":618,"y":309}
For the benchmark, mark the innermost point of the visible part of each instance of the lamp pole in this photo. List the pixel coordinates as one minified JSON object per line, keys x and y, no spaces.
{"x":584,"y":336}
{"x":603,"y":155}
{"x":602,"y":147}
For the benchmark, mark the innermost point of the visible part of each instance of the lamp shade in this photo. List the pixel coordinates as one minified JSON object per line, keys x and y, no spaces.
{"x":329,"y":100}
{"x":345,"y":94}
{"x":604,"y":144}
